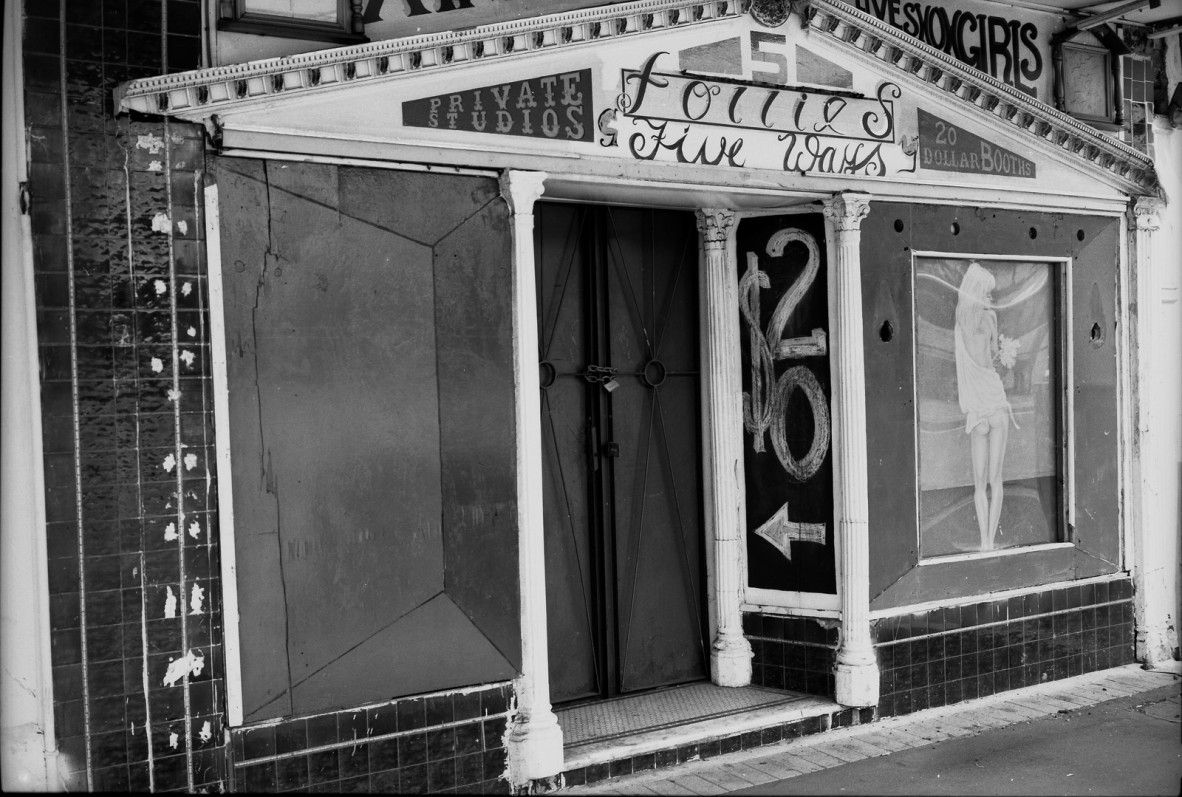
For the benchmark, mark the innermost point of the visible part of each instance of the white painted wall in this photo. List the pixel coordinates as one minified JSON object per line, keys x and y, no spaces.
{"x":1162,"y":444}
{"x":27,"y":745}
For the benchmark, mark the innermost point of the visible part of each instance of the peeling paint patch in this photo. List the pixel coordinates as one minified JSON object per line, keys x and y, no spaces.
{"x":196,"y":599}
{"x":161,"y":223}
{"x":151,"y":142}
{"x":206,"y":734}
{"x":190,"y":461}
{"x":192,"y":331}
{"x":161,"y":287}
{"x":189,"y":664}
{"x":169,"y":463}
{"x":170,"y":605}
{"x":194,"y":529}
{"x":155,"y":166}
{"x":170,"y":532}
{"x":182,"y":226}
{"x":188,"y":357}
{"x":157,"y":365}
{"x":174,"y":394}
{"x":173,"y":739}
{"x":186,"y":289}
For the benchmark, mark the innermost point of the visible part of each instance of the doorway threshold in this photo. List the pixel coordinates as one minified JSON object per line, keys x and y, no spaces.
{"x":681,"y":721}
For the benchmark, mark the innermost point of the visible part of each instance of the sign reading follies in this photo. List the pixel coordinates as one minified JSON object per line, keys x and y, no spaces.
{"x":946,"y":147}
{"x":552,"y":106}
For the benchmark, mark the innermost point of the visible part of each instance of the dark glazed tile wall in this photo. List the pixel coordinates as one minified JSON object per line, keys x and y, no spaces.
{"x":793,"y":653}
{"x":126,"y":403}
{"x":449,"y":742}
{"x":957,"y":653}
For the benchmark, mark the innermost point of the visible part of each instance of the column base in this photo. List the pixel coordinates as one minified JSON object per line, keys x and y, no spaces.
{"x":535,"y":749}
{"x":856,"y":684}
{"x":730,"y":661}
{"x":1155,"y":646}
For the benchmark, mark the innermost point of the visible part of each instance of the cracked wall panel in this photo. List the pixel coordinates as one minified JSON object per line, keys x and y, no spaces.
{"x":242,"y":191}
{"x":473,"y":288}
{"x":401,"y":201}
{"x":350,"y":417}
{"x":405,"y":659}
{"x":343,"y":420}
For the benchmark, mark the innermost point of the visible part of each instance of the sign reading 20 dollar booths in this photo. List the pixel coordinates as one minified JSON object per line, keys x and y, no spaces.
{"x":662,"y":116}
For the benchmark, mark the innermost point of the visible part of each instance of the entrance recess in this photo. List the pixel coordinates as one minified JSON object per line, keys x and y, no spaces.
{"x":619,"y":373}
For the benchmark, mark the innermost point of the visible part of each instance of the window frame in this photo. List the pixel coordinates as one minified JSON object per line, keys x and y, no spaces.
{"x":1109,"y":100}
{"x":234,"y":16}
{"x":1064,"y":422}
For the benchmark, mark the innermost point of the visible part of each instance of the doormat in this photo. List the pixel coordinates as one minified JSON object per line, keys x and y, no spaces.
{"x":667,"y":708}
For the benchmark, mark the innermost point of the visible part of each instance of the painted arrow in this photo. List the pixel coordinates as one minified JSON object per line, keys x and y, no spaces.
{"x":782,"y":532}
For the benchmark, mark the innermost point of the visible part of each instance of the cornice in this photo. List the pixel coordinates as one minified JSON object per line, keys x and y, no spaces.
{"x":200,"y":93}
{"x":871,"y":37}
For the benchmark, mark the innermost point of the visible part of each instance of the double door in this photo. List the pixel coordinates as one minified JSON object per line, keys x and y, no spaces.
{"x":619,"y":369}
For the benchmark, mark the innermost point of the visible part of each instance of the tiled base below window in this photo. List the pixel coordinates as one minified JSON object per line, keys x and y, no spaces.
{"x":956,"y":653}
{"x":449,"y":742}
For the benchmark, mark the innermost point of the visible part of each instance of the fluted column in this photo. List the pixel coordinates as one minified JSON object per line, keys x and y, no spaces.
{"x":730,"y":652}
{"x":856,"y":673}
{"x":1155,"y":555}
{"x":535,"y":739}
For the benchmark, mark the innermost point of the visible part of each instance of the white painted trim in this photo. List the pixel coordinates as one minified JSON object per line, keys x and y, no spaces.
{"x":755,"y":598}
{"x":973,"y":557}
{"x":534,"y":738}
{"x":1129,"y":401}
{"x":361,"y":162}
{"x":227,"y":552}
{"x":793,"y":600}
{"x":792,"y":611}
{"x":1065,"y":400}
{"x":28,"y":741}
{"x":917,"y":608}
{"x":738,"y":182}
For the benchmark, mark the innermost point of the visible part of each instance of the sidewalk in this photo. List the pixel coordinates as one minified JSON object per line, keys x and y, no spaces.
{"x":1110,"y":732}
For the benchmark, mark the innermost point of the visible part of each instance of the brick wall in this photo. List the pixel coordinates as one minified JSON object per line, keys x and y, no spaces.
{"x":126,"y":401}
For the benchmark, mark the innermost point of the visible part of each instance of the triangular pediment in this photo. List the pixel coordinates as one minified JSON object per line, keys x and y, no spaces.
{"x":664,"y":89}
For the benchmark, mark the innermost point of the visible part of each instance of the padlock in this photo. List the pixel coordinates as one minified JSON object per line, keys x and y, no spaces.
{"x":610,"y":385}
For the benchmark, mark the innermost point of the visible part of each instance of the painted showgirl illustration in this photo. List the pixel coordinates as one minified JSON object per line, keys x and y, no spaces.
{"x":981,"y":394}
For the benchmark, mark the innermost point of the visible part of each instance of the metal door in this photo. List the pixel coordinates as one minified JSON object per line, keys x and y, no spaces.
{"x":618,"y":333}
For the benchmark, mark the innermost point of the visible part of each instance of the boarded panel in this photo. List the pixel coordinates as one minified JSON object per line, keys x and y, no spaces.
{"x":338,"y":424}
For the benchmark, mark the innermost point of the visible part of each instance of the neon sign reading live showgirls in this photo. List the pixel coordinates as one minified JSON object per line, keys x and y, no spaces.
{"x":1007,"y":49}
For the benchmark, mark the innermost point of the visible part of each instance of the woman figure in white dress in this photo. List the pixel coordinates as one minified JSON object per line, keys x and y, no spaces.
{"x":982,"y":396}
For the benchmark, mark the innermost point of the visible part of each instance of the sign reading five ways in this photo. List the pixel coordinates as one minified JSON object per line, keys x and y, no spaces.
{"x":947,"y":148}
{"x":553,"y":106}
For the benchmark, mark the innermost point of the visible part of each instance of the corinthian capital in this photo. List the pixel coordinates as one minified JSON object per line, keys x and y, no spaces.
{"x":522,"y":189}
{"x":1147,"y":213}
{"x":715,"y":226}
{"x":846,"y":210}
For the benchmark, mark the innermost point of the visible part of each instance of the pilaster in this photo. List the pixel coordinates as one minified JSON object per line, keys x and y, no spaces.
{"x":1154,"y":555}
{"x":535,"y":738}
{"x":730,"y":652}
{"x":856,"y":671}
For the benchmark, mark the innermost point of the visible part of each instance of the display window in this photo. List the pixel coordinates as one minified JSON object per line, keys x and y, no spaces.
{"x":988,"y":375}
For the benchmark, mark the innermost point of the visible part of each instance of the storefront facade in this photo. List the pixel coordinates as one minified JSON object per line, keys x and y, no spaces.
{"x":568,"y":357}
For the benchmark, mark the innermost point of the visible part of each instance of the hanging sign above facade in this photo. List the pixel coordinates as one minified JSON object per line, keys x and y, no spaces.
{"x":553,"y":106}
{"x":946,"y":147}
